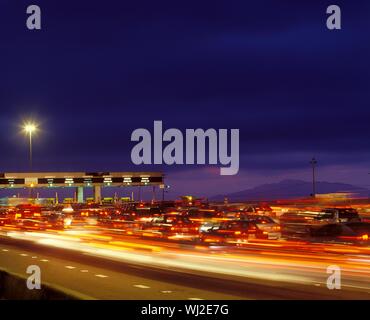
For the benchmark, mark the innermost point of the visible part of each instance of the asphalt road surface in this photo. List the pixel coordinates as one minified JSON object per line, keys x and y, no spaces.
{"x":91,"y":282}
{"x":99,"y":265}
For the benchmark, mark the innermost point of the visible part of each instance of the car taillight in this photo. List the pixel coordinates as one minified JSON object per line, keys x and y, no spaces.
{"x":172,"y":228}
{"x":211,"y":240}
{"x":365,"y":237}
{"x":237,"y":232}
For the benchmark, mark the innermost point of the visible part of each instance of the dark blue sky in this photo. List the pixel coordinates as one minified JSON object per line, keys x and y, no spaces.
{"x":100,"y":69}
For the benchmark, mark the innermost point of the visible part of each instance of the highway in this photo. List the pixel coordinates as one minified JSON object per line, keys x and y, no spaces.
{"x":86,"y":281}
{"x":95,"y":263}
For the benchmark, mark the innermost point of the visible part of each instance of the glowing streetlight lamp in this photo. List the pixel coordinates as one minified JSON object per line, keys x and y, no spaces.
{"x":29,"y":129}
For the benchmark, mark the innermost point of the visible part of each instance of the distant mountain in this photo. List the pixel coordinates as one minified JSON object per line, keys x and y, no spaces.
{"x":290,"y":189}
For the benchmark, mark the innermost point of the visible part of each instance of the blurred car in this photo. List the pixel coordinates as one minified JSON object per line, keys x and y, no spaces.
{"x":31,"y":224}
{"x":300,"y":223}
{"x":57,"y":221}
{"x":232,"y":232}
{"x":139,"y":212}
{"x":51,"y":221}
{"x":27,"y":211}
{"x":233,"y":215}
{"x":171,"y":226}
{"x":3,"y":217}
{"x":3,"y":221}
{"x":354,"y":233}
{"x":206,"y":218}
{"x":362,"y":229}
{"x":239,"y":231}
{"x":270,"y":229}
{"x":89,"y":216}
{"x":262,"y":209}
{"x":340,"y":215}
{"x":124,"y":215}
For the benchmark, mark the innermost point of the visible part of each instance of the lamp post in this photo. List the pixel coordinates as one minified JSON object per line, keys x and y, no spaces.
{"x":30,"y":128}
{"x":313,"y":162}
{"x":164,"y":187}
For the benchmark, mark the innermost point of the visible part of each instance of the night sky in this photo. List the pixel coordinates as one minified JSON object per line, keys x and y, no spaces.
{"x":100,"y":69}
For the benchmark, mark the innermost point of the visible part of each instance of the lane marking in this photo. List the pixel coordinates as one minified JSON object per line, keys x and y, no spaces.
{"x":70,"y":267}
{"x":166,"y":291}
{"x":84,"y":271}
{"x":101,"y":276}
{"x":195,"y":299}
{"x":141,"y":286}
{"x":23,"y":254}
{"x":44,"y":260}
{"x":5,"y":250}
{"x":34,"y":257}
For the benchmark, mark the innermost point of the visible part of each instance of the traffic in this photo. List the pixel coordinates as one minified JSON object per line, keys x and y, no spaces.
{"x":204,"y":224}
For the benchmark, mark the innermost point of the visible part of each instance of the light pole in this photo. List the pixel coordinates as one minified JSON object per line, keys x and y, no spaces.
{"x":313,"y":162}
{"x":30,"y":128}
{"x":164,"y":187}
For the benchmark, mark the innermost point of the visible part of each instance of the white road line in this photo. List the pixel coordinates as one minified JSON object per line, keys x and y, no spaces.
{"x":23,"y":254}
{"x":44,"y":260}
{"x":5,"y":250}
{"x":166,"y":291}
{"x":195,"y":299}
{"x":84,"y":271}
{"x":70,"y":267}
{"x":34,"y":257}
{"x":141,"y":286}
{"x":101,"y":276}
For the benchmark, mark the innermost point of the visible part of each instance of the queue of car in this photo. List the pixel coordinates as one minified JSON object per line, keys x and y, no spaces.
{"x":208,"y":225}
{"x":197,"y":224}
{"x":32,"y":217}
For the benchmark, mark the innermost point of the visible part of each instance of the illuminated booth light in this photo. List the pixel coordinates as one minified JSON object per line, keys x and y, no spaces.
{"x":69,"y":181}
{"x":127,"y":180}
{"x":145,"y":180}
{"x":78,"y":179}
{"x":50,"y":182}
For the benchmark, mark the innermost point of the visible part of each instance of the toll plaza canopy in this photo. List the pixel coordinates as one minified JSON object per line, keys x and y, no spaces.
{"x":79,"y":179}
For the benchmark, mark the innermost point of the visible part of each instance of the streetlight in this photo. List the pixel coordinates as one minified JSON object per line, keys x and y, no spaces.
{"x":313,"y":162}
{"x":30,"y":128}
{"x":164,"y":187}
